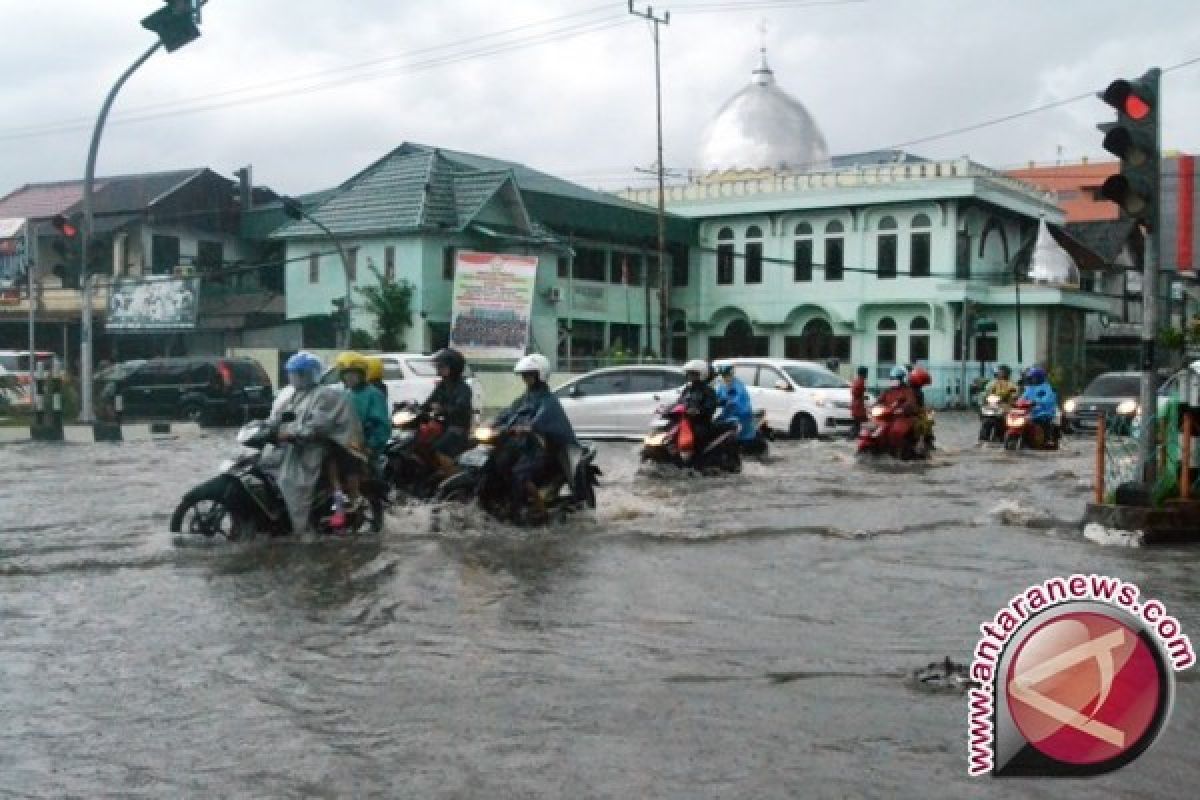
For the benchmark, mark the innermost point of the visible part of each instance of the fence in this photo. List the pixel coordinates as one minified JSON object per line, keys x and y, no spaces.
{"x":1118,"y":460}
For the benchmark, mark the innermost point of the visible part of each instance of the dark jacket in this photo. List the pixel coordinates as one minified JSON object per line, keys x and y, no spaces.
{"x":700,"y":399}
{"x":540,"y":410}
{"x":455,"y":401}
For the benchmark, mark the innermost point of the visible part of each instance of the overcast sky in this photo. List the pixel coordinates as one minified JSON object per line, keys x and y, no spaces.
{"x":572,"y":93}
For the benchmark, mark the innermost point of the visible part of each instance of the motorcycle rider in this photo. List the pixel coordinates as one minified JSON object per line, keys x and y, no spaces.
{"x":1041,"y":394}
{"x":1002,"y":386}
{"x":322,"y":419}
{"x":451,"y":401}
{"x":536,"y":412}
{"x":899,"y":391}
{"x":346,"y":470}
{"x":735,"y":405}
{"x":700,"y":400}
{"x":918,"y":379}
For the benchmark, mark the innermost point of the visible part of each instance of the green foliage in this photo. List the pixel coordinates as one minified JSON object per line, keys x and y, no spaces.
{"x":390,"y":303}
{"x":361,"y":340}
{"x":1172,"y":338}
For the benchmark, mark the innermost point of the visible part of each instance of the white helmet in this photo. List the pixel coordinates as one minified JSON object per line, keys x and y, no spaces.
{"x":696,"y":365}
{"x":534,"y":362}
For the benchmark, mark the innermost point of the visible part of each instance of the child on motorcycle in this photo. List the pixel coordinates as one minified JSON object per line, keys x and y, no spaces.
{"x":346,"y":471}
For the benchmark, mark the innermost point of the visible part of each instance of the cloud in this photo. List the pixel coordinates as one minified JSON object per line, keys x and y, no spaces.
{"x":873,"y":74}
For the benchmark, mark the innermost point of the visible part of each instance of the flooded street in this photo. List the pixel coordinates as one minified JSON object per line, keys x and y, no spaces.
{"x":720,"y":637}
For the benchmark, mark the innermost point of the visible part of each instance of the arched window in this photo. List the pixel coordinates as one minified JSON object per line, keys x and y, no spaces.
{"x":919,"y":247}
{"x":754,"y":255}
{"x":835,"y":251}
{"x":885,"y":342}
{"x":918,"y":340}
{"x":962,"y":253}
{"x":739,"y":340}
{"x":725,"y":257}
{"x":817,"y":342}
{"x":885,"y":250}
{"x":803,"y":253}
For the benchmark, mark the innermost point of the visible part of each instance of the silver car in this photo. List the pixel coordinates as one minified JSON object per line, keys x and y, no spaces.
{"x":619,"y":402}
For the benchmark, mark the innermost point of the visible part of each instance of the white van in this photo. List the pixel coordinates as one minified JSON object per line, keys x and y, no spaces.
{"x":802,"y":398}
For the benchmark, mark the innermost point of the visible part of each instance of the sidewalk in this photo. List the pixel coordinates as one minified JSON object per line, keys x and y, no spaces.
{"x":82,"y":434}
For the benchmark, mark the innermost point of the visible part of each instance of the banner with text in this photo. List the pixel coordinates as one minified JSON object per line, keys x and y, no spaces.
{"x":493,"y":299}
{"x":153,"y":304}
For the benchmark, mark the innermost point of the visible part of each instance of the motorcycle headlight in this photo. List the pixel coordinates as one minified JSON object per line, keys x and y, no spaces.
{"x":655,"y":440}
{"x":1070,"y":406}
{"x":485,"y":433}
{"x":878,"y":411}
{"x":1016,"y":421}
{"x":1128,"y":408}
{"x":402,"y":418}
{"x":993,"y":399}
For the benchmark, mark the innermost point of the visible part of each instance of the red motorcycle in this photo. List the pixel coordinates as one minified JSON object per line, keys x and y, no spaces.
{"x":891,"y":432}
{"x":672,"y":440}
{"x":1022,"y":432}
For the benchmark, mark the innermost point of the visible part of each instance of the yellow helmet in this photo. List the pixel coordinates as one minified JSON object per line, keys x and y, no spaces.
{"x":352,"y":361}
{"x":374,"y":369}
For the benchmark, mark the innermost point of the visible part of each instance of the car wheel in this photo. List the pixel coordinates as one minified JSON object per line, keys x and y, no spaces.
{"x":803,"y":427}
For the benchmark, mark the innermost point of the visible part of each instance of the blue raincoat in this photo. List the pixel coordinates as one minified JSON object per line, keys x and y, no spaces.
{"x":735,"y":404}
{"x":1045,"y":401}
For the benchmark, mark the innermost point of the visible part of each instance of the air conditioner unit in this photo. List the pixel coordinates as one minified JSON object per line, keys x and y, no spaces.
{"x":553,"y":294}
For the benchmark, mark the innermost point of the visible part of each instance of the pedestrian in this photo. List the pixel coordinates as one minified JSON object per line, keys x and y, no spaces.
{"x":858,"y":400}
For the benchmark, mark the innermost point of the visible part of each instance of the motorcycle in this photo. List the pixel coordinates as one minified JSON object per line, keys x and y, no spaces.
{"x":673,"y":441}
{"x":991,"y":419}
{"x":890,"y":431}
{"x":245,"y":498}
{"x":1022,"y":432}
{"x":406,"y":468}
{"x":485,"y":476}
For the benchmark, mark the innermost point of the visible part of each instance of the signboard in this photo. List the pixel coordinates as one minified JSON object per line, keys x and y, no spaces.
{"x":493,"y":299}
{"x":153,"y":304}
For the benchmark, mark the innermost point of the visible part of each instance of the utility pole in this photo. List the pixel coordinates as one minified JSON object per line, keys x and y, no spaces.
{"x":664,"y":280}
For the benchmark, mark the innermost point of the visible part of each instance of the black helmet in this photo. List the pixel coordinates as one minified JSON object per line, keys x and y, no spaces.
{"x":451,"y":360}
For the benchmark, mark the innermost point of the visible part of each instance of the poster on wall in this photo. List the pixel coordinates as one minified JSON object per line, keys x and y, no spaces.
{"x":153,"y":304}
{"x":493,"y":300}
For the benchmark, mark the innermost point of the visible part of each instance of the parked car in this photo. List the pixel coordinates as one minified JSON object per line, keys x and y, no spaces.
{"x":410,"y":378}
{"x":16,"y":364}
{"x":803,"y":398}
{"x":205,"y":389}
{"x":618,"y":402}
{"x":1105,"y":393}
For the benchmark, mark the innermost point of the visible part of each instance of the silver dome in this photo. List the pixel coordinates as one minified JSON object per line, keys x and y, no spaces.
{"x":763,"y":127}
{"x":1050,"y":263}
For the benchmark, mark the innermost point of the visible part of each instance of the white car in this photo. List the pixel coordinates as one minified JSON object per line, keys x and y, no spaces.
{"x":16,"y":365}
{"x":802,"y":398}
{"x":410,"y":378}
{"x":618,"y":402}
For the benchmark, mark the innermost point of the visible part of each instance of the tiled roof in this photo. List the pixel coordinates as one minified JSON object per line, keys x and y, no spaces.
{"x":1106,"y":238}
{"x":39,"y":201}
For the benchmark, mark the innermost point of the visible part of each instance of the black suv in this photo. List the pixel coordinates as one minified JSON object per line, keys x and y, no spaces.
{"x":204,"y":389}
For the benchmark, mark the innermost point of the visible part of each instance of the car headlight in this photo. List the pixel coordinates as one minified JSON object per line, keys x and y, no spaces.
{"x":485,"y":433}
{"x":1128,"y":408}
{"x":1070,"y":406}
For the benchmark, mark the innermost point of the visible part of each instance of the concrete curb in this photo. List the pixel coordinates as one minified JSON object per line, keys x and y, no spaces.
{"x":132,"y":432}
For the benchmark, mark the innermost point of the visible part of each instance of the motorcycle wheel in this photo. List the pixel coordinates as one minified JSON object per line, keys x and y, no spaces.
{"x":1011,"y":442}
{"x":209,"y":517}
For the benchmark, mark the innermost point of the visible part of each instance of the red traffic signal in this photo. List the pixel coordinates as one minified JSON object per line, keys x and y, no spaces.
{"x":64,"y":226}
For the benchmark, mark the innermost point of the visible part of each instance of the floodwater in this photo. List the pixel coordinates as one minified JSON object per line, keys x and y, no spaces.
{"x":745,"y":636}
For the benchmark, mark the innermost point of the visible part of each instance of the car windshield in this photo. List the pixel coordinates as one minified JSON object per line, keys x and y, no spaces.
{"x":1114,"y":386}
{"x":812,"y":378}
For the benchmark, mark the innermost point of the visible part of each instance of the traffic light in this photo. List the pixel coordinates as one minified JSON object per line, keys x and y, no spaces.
{"x":64,"y":226}
{"x":175,"y":23}
{"x":1134,"y":139}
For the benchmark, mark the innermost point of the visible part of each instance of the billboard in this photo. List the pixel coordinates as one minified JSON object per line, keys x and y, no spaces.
{"x":153,"y":304}
{"x":493,"y":299}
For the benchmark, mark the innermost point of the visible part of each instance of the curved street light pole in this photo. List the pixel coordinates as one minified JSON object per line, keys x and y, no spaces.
{"x":88,"y":285}
{"x":296,"y":211}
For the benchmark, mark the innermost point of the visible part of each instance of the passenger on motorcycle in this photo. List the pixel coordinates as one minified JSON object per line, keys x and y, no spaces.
{"x":1002,"y":386}
{"x":346,"y":470}
{"x":700,"y":400}
{"x":322,"y":417}
{"x":918,"y":379}
{"x":1041,"y":394}
{"x":451,"y":402}
{"x":537,"y":412}
{"x":375,"y":375}
{"x":734,"y":402}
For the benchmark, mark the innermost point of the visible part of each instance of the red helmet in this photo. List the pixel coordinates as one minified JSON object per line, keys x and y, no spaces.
{"x":919,"y":377}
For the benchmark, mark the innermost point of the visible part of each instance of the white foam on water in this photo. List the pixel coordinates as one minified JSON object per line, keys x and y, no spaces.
{"x":1112,"y":537}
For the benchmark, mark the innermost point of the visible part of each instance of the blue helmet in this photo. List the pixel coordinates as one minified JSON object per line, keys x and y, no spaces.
{"x":1036,"y":375}
{"x":898,"y":373}
{"x":304,"y":361}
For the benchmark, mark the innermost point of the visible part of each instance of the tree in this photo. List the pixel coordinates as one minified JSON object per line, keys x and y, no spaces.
{"x":390,"y":303}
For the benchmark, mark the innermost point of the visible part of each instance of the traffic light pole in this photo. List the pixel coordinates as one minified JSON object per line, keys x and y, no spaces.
{"x":1149,"y":400}
{"x":88,"y":284}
